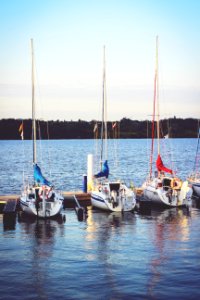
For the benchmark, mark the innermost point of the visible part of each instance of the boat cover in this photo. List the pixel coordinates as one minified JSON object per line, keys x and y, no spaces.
{"x":160,"y":166}
{"x":104,"y":172}
{"x":39,"y":178}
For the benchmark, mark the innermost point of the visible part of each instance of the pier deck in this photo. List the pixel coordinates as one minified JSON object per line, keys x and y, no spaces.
{"x":10,"y":201}
{"x":7,"y":201}
{"x":10,"y":206}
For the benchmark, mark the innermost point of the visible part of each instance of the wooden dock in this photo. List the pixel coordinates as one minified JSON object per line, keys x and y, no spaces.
{"x":9,"y":203}
{"x":83,"y":198}
{"x":10,"y":206}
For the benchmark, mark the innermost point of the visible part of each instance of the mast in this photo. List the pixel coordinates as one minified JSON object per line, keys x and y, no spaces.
{"x":33,"y":106}
{"x":155,"y":102}
{"x":105,"y":107}
{"x":197,"y":152}
{"x":104,"y":113}
{"x":157,"y":98}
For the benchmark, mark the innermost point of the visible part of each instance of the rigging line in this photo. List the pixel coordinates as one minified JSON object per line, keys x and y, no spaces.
{"x":116,"y":141}
{"x":170,"y":146}
{"x":96,"y":158}
{"x":48,"y":149}
{"x":40,"y":142}
{"x":23,"y":151}
{"x":26,"y":162}
{"x":197,"y":150}
{"x":147,"y":146}
{"x":113,"y":126}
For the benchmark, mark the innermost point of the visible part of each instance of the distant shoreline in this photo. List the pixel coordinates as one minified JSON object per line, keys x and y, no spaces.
{"x":124,"y":129}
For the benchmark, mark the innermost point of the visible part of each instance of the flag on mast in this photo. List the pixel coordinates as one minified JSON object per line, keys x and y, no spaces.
{"x":95,"y":127}
{"x":160,"y":166}
{"x":114,"y":125}
{"x":21,"y":130}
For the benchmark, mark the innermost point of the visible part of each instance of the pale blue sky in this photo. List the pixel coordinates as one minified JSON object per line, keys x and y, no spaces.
{"x":68,"y":39}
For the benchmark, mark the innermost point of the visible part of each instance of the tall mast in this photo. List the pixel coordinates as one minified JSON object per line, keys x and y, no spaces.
{"x":104,"y":113}
{"x":155,"y":102}
{"x":105,"y":107}
{"x":33,"y":106}
{"x":157,"y":97}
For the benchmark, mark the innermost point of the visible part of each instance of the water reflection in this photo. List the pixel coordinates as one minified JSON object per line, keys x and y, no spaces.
{"x":42,"y":231}
{"x":170,"y":225}
{"x":99,"y":221}
{"x":9,"y":221}
{"x":108,"y":236}
{"x":42,"y":234}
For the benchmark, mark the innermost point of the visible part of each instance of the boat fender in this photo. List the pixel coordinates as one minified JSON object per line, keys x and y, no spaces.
{"x":176,"y":184}
{"x":172,"y":183}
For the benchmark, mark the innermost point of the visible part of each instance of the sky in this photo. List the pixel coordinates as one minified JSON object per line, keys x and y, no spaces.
{"x":69,"y":36}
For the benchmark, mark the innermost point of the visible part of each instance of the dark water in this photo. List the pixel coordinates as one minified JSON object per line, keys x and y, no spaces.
{"x":65,"y":161}
{"x":107,"y":256}
{"x":142,"y":255}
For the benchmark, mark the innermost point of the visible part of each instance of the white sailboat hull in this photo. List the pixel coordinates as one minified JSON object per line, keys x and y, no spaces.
{"x":166,"y":195}
{"x":48,"y":209}
{"x":104,"y":199}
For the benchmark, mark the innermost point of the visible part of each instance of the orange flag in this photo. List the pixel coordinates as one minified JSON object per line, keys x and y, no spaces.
{"x":21,"y":130}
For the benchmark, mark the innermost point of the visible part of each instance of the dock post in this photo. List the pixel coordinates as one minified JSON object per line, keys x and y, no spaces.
{"x":90,"y":172}
{"x":79,"y":209}
{"x":84,"y":183}
{"x":9,"y":214}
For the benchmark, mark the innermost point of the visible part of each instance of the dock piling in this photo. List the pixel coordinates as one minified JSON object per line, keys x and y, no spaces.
{"x":79,"y":210}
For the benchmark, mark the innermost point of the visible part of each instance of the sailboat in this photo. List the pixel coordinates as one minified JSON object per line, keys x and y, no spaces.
{"x":194,"y":178}
{"x":40,"y":198}
{"x":167,"y":190}
{"x":108,"y":195}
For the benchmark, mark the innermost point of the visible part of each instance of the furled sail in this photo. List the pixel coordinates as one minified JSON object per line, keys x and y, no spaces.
{"x":104,"y":172}
{"x":39,"y":178}
{"x":160,"y":166}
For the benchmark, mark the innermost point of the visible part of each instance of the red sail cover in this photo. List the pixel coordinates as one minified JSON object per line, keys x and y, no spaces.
{"x":161,"y":167}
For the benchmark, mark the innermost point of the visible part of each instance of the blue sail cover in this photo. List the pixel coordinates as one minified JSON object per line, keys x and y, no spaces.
{"x":104,"y":172}
{"x":39,"y":178}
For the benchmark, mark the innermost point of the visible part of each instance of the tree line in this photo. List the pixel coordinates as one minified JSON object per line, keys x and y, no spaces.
{"x":125,"y":128}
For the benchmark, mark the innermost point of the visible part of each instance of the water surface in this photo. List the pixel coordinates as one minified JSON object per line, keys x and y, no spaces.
{"x":151,"y":254}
